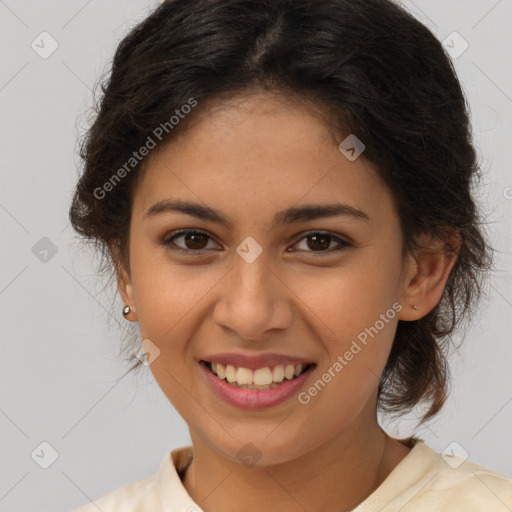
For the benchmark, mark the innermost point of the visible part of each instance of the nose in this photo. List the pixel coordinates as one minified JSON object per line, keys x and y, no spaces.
{"x":253,"y":300}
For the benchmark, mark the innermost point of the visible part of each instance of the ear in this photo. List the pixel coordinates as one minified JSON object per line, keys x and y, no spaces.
{"x":426,"y":273}
{"x":124,"y":283}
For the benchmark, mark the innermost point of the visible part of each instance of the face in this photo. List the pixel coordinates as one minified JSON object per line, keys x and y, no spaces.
{"x":324,"y":288}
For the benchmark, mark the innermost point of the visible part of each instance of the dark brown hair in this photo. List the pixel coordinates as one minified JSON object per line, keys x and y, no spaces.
{"x":374,"y":68}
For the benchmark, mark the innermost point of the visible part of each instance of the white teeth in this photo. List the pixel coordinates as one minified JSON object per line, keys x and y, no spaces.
{"x":230,"y":373}
{"x":289,"y":371}
{"x":261,"y":378}
{"x":221,"y":371}
{"x":244,"y":376}
{"x":278,"y":373}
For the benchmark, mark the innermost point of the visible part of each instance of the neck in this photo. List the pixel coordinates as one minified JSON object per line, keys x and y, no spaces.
{"x":336,"y":475}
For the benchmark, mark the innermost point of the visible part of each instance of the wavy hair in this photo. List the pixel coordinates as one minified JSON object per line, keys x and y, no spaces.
{"x":374,"y":69}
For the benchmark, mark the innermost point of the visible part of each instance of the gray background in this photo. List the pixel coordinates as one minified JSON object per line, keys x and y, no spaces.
{"x":59,"y":372}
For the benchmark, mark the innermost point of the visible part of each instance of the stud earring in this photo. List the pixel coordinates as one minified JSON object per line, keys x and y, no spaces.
{"x":415,"y":307}
{"x":126,"y":310}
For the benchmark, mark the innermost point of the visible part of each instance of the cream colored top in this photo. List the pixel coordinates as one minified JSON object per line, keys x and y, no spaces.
{"x":424,"y":481}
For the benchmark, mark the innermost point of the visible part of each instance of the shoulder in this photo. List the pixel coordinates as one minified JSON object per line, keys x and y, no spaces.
{"x":427,"y":481}
{"x":142,"y":494}
{"x":460,"y":482}
{"x":137,"y":495}
{"x":159,"y":492}
{"x":447,"y":482}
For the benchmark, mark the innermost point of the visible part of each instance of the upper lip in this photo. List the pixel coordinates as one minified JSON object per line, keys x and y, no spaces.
{"x":255,"y":361}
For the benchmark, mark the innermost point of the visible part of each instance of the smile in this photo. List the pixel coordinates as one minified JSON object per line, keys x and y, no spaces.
{"x":255,"y":381}
{"x":260,"y":378}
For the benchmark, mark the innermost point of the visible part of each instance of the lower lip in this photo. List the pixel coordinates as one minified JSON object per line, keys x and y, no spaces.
{"x":255,"y":398}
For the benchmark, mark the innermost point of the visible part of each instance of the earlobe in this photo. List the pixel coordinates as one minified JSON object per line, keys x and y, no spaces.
{"x":426,"y":279}
{"x":125,"y":289}
{"x":124,"y":286}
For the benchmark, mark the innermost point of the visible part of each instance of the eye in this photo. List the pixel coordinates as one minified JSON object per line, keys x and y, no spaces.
{"x":193,"y":240}
{"x":319,"y":242}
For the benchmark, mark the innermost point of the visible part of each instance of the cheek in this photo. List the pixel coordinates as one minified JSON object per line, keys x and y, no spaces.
{"x":168,"y":300}
{"x":355,"y":314}
{"x":348,"y":378}
{"x":350,"y":299}
{"x":165,"y":293}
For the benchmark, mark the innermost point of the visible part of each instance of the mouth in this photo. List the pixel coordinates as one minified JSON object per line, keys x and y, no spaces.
{"x":267,"y":377}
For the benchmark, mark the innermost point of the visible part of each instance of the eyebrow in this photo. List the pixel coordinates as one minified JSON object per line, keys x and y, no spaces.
{"x":288,"y":216}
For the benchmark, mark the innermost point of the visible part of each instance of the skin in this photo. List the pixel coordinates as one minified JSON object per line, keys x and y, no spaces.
{"x":249,"y":158}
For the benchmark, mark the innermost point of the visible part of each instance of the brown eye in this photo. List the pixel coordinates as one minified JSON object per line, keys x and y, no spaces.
{"x":191,"y":241}
{"x":320,"y":243}
{"x":195,"y":241}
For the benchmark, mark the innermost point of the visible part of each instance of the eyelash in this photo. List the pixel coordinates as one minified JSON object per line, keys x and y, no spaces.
{"x":168,"y":242}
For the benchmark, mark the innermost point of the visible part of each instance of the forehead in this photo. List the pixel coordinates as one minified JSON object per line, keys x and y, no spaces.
{"x":259,"y":153}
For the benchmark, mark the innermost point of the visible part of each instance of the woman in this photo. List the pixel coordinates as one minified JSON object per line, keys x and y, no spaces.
{"x":283,"y":189}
